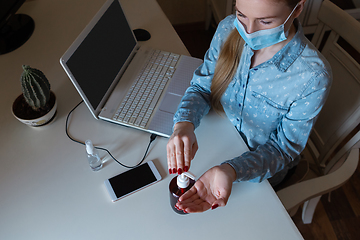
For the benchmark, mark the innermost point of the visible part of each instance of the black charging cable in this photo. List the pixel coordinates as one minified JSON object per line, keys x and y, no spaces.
{"x":152,"y":138}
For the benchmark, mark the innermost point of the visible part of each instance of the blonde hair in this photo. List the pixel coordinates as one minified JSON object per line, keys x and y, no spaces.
{"x":225,"y":68}
{"x":228,"y":62}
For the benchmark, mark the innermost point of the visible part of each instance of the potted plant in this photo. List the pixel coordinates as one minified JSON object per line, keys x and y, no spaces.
{"x":37,"y":104}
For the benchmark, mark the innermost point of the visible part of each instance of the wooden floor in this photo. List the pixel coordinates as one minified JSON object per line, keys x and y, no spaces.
{"x":335,"y":220}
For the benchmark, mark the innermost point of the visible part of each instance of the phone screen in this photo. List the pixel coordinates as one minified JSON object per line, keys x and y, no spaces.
{"x":132,"y":180}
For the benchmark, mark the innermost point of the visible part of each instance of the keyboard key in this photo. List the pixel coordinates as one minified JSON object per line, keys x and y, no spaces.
{"x":139,"y":103}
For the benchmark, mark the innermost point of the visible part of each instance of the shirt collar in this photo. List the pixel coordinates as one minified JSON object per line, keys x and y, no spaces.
{"x":290,"y":52}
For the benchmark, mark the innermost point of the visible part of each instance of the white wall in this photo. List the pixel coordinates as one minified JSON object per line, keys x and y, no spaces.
{"x":184,"y":11}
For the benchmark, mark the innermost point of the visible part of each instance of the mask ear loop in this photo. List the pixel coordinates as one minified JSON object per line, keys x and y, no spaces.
{"x":287,"y":32}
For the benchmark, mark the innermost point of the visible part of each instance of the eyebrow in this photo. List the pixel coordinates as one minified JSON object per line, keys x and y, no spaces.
{"x":257,"y":18}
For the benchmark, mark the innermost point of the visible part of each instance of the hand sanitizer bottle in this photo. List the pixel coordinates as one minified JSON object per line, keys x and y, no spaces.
{"x":178,"y":186}
{"x":93,"y":156}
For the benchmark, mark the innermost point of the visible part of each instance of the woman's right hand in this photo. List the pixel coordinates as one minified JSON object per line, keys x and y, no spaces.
{"x":181,"y":147}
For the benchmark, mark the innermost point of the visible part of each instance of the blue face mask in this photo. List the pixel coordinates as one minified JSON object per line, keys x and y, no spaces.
{"x":263,"y":38}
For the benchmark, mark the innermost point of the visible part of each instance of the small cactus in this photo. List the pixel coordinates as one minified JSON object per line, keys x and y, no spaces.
{"x":35,"y":87}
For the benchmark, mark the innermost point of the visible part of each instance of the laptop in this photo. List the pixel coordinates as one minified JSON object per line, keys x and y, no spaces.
{"x":110,"y":69}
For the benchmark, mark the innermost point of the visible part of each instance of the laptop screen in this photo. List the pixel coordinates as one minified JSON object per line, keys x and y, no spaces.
{"x":100,"y":56}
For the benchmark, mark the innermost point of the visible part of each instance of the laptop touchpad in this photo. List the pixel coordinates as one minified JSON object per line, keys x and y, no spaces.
{"x":170,"y":103}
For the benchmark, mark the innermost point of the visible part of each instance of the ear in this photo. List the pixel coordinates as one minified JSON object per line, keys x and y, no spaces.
{"x":299,"y":8}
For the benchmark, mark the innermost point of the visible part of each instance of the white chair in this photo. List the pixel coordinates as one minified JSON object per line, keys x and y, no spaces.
{"x":310,"y":191}
{"x":340,"y":117}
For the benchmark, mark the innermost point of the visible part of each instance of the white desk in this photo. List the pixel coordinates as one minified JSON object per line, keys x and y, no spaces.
{"x":47,"y":190}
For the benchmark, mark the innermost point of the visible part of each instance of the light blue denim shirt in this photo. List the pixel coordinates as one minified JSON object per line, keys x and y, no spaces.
{"x":273,"y":105}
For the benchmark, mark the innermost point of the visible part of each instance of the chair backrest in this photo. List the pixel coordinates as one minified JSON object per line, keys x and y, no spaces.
{"x":338,"y":38}
{"x":340,"y":157}
{"x":337,"y":175}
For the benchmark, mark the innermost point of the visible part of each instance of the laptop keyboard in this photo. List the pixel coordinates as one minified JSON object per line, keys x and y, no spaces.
{"x":140,"y":101}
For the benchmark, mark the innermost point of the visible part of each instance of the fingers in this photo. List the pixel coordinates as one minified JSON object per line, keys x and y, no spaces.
{"x":175,"y":155}
{"x":171,"y":159}
{"x":193,"y":207}
{"x":196,"y":204}
{"x":191,"y":202}
{"x":179,"y":154}
{"x":181,"y":148}
{"x":189,"y":153}
{"x":189,"y":195}
{"x":194,"y":200}
{"x":218,"y":203}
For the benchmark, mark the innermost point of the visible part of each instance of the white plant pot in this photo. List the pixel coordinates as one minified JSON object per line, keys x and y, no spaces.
{"x":41,"y":120}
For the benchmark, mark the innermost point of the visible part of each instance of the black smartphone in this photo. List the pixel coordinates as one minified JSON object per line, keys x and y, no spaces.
{"x":132,"y":181}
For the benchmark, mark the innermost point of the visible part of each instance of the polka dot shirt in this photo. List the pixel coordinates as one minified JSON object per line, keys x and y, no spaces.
{"x":273,"y":105}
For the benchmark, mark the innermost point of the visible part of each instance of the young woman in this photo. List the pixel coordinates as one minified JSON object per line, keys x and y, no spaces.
{"x":270,"y":81}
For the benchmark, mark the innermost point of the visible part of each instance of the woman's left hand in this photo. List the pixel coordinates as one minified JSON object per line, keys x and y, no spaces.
{"x":211,"y":190}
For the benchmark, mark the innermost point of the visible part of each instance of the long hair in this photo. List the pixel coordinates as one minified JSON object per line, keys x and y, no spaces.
{"x":225,"y":68}
{"x":228,"y":63}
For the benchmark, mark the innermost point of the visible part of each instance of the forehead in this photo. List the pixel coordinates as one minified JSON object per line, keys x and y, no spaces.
{"x":262,"y":8}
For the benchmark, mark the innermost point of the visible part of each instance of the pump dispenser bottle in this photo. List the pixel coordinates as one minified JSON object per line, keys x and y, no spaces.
{"x":93,"y":156}
{"x":178,"y":186}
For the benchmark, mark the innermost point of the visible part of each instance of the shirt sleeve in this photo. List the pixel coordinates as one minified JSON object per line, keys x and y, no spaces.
{"x":289,"y":139}
{"x":196,"y":101}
